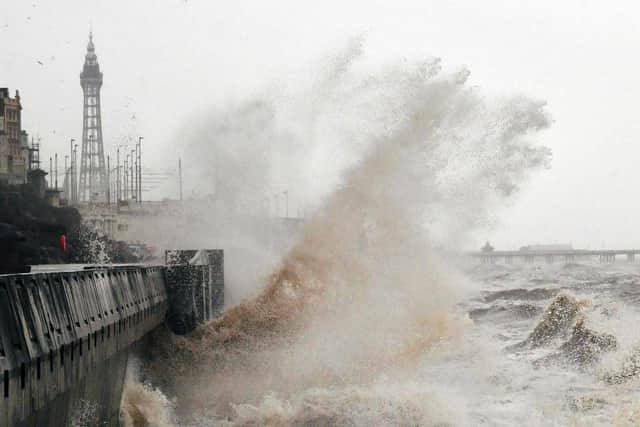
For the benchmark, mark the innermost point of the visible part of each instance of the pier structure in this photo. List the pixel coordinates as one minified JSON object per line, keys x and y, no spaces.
{"x":552,"y":256}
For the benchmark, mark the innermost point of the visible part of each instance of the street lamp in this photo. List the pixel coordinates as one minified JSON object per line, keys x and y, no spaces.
{"x":118,"y":174}
{"x":133,"y":179}
{"x":75,"y":173}
{"x":108,"y":181}
{"x":66,"y":178}
{"x":140,"y":169}
{"x":122,"y":171}
{"x":71,"y":169}
{"x":126,"y":177}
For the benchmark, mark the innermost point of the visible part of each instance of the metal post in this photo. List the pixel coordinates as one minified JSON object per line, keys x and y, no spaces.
{"x":126,"y":178}
{"x":132,"y":180}
{"x":50,"y":171}
{"x":135,"y":172}
{"x":140,"y":169}
{"x":75,"y":173}
{"x":56,"y":170}
{"x":118,"y":197}
{"x":71,"y":186}
{"x":108,"y":182}
{"x":66,"y":176}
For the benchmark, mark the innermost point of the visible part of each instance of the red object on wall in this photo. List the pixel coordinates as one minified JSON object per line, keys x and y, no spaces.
{"x":63,"y":243}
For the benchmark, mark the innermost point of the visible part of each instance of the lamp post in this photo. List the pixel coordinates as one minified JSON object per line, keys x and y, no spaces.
{"x":140,"y":138}
{"x":108,"y":182}
{"x":56,"y":156}
{"x":118,"y":174}
{"x":66,"y":177}
{"x":133,"y":186}
{"x":75,"y":173}
{"x":126,"y":178}
{"x":71,"y":195}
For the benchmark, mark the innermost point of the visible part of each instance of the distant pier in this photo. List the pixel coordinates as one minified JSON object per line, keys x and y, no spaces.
{"x":552,"y":256}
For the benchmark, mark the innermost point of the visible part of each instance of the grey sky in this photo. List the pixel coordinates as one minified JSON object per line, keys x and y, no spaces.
{"x":165,"y":59}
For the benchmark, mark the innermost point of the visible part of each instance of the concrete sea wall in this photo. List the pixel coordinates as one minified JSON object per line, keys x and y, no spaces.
{"x":195,"y":287}
{"x":64,"y":340}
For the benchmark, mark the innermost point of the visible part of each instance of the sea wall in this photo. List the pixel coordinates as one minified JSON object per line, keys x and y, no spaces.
{"x":64,"y":340}
{"x":195,"y":287}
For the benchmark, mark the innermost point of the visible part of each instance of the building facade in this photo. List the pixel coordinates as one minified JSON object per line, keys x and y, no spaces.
{"x":14,"y":149}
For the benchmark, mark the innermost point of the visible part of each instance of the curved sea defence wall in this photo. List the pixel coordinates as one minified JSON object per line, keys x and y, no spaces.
{"x":64,"y":340}
{"x":195,"y":286}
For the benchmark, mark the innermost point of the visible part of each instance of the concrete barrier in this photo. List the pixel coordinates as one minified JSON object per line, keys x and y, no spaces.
{"x":195,"y":287}
{"x":65,"y":335}
{"x":64,"y":340}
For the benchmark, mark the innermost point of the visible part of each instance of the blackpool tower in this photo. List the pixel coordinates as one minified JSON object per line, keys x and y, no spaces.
{"x":93,"y":174}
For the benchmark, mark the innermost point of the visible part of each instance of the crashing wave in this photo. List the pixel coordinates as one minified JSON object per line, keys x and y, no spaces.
{"x":584,"y":348}
{"x":563,"y":320}
{"x":381,"y":405}
{"x":555,"y":322}
{"x":363,"y":292}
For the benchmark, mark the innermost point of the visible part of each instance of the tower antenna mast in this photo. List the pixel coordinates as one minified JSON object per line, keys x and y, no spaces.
{"x":93,"y":173}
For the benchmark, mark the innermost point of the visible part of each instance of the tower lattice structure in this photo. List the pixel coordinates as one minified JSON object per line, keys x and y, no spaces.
{"x":93,"y":174}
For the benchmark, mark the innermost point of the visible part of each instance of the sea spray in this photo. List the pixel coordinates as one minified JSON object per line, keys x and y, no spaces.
{"x":364,"y":293}
{"x":142,"y":404}
{"x":381,"y":404}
